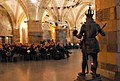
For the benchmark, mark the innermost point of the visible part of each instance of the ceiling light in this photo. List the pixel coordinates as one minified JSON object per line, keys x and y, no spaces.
{"x":34,"y":1}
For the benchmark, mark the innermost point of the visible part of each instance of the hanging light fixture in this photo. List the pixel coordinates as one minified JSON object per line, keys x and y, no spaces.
{"x":34,"y":1}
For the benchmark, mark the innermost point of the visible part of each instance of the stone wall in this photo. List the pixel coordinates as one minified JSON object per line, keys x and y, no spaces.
{"x":106,"y":13}
{"x":6,"y":31}
{"x":5,"y":23}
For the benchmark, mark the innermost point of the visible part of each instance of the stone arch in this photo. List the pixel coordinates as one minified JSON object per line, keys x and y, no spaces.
{"x":50,"y":13}
{"x":21,"y":18}
{"x":24,"y":7}
{"x":83,"y":6}
{"x":22,"y":15}
{"x":71,"y":20}
{"x":7,"y":24}
{"x":13,"y":18}
{"x":9,"y":11}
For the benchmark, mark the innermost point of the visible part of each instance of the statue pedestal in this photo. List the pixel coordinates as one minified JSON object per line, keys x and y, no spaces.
{"x":88,"y":78}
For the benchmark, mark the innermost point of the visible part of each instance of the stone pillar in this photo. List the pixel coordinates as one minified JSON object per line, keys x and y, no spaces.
{"x":68,"y":36}
{"x":61,"y":35}
{"x":47,"y":35}
{"x":109,"y":61}
{"x":117,"y":17}
{"x":16,"y":36}
{"x":35,"y":33}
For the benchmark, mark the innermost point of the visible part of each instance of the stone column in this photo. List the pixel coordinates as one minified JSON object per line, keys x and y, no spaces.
{"x":61,"y":35}
{"x":35,"y":33}
{"x":16,"y":36}
{"x":117,"y":17}
{"x":109,"y":61}
{"x":68,"y":36}
{"x":47,"y":35}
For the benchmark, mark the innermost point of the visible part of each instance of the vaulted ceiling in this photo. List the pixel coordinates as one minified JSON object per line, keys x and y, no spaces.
{"x":71,"y":11}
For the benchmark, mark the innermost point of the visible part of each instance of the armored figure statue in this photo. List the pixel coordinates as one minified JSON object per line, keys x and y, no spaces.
{"x":90,"y":45}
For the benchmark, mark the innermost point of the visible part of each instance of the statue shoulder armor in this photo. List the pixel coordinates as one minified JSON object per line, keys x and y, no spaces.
{"x":84,"y":25}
